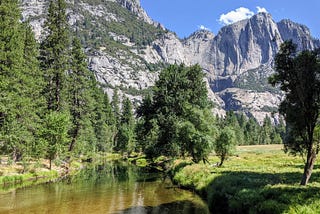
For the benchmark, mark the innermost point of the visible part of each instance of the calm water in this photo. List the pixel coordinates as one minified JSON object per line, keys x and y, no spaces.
{"x":110,"y":188}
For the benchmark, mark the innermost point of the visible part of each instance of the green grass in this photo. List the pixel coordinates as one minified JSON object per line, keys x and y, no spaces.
{"x":11,"y":182}
{"x":258,"y":179}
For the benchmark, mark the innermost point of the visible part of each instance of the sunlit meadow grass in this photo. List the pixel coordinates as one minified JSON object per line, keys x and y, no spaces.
{"x":257,"y":179}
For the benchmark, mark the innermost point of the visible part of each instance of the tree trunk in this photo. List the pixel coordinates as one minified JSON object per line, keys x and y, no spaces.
{"x":311,"y":159}
{"x":57,"y":92}
{"x":74,"y":138}
{"x":222,"y":160}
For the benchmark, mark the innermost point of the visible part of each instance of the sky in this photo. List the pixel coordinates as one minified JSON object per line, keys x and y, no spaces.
{"x":186,"y":16}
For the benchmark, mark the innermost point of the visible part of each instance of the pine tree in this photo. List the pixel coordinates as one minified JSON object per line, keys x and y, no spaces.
{"x":54,"y":59}
{"x":251,"y":132}
{"x":81,"y":88}
{"x":103,"y":121}
{"x":115,"y":104}
{"x":125,"y":140}
{"x":127,"y":112}
{"x":266,"y":131}
{"x":33,"y":85}
{"x":17,"y":82}
{"x":54,"y":55}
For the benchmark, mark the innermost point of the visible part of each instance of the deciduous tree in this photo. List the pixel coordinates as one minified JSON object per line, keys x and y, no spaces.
{"x":298,"y":76}
{"x":174,"y":117}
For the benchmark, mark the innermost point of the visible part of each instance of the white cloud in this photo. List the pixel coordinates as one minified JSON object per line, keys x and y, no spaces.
{"x":261,"y":10}
{"x":202,"y":27}
{"x":235,"y":15}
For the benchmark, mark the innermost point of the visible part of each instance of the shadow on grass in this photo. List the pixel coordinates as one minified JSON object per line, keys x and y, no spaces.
{"x":250,"y":192}
{"x":177,"y":207}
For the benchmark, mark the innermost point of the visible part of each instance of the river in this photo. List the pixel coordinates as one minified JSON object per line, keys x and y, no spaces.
{"x":109,"y":188}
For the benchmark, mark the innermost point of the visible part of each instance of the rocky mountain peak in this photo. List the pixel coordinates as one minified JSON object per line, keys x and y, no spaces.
{"x":202,"y":35}
{"x":299,"y":34}
{"x":245,"y":45}
{"x":134,"y":7}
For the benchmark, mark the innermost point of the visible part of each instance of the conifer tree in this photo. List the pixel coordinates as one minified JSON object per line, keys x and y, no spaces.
{"x":125,"y":140}
{"x":81,"y":88}
{"x":266,"y":131}
{"x":17,"y":82}
{"x":54,"y":55}
{"x":33,"y":85}
{"x":115,"y":104}
{"x":103,"y":121}
{"x":54,"y":62}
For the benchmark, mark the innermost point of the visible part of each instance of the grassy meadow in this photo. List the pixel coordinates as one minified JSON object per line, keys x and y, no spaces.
{"x":257,"y":179}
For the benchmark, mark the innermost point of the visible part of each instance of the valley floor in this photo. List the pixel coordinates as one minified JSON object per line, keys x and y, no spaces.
{"x":258,"y":179}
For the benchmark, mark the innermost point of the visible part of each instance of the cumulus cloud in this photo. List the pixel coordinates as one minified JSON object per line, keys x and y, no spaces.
{"x":261,"y":10}
{"x":202,"y":27}
{"x":235,"y":15}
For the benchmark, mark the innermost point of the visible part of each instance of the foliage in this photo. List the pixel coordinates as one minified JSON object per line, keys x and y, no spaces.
{"x":225,"y":144}
{"x":81,"y":88}
{"x":249,"y":132}
{"x":115,"y":104}
{"x":55,"y":55}
{"x":298,"y":77}
{"x":50,"y":103}
{"x":125,"y":139}
{"x":54,"y":133}
{"x":19,"y":83}
{"x":140,"y":33}
{"x":175,"y":119}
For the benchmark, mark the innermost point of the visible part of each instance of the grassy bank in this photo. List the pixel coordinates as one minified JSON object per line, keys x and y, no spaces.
{"x":259,"y":179}
{"x":23,"y":174}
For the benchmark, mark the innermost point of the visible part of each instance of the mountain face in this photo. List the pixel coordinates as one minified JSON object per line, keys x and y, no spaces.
{"x":127,"y":49}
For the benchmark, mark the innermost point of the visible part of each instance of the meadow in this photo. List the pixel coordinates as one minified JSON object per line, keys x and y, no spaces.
{"x":257,"y":179}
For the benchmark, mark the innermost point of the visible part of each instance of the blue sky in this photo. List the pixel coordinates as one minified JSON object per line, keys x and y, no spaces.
{"x":186,"y":16}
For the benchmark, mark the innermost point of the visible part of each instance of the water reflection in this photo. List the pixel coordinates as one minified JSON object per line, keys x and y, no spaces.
{"x":109,"y":188}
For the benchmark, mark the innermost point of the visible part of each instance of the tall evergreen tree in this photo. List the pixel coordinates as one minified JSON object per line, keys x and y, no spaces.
{"x":115,"y":104}
{"x":33,"y":85}
{"x":127,"y":112}
{"x":103,"y":121}
{"x":17,"y":82}
{"x":54,"y":62}
{"x":251,"y":132}
{"x":266,"y":131}
{"x":232,"y":120}
{"x":125,"y":140}
{"x":55,"y":55}
{"x":81,"y":88}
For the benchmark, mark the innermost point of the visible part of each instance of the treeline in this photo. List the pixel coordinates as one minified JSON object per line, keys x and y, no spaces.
{"x":249,"y":132}
{"x":50,"y":103}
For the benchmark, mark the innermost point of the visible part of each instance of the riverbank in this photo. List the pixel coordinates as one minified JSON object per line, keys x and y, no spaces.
{"x":23,"y":174}
{"x":259,"y":179}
